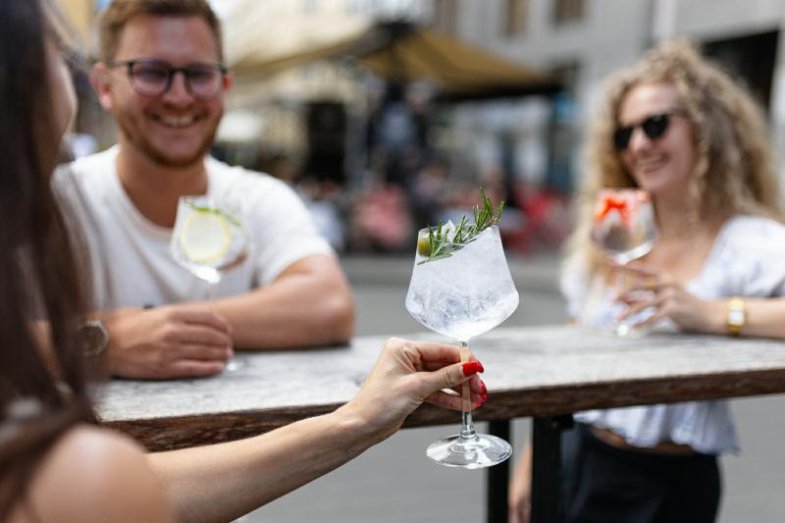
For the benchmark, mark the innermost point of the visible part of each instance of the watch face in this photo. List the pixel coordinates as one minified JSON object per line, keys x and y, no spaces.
{"x":736,"y":317}
{"x":93,"y":338}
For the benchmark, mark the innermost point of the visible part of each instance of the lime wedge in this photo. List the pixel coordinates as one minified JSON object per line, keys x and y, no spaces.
{"x":205,"y":236}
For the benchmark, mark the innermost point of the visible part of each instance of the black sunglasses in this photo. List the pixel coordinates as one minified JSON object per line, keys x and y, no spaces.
{"x":653,"y":127}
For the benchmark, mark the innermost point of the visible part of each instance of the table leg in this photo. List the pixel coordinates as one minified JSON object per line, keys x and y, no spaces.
{"x":498,"y":478}
{"x":546,"y":468}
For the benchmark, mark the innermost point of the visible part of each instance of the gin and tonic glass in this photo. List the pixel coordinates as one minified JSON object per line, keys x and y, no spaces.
{"x":462,"y":296}
{"x":208,"y":241}
{"x":623,"y":227}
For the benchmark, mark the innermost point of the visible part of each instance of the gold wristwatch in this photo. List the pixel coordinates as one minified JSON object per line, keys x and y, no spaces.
{"x":737,"y":315}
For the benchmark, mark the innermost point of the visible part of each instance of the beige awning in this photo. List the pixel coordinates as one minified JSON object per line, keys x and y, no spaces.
{"x":80,"y":16}
{"x":264,"y":38}
{"x":405,"y":53}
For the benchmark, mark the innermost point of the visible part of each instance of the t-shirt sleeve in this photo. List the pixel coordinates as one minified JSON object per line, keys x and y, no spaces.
{"x":282,"y":229}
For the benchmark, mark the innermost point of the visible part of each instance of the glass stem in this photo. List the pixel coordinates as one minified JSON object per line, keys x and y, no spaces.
{"x":211,"y":290}
{"x":467,"y":425}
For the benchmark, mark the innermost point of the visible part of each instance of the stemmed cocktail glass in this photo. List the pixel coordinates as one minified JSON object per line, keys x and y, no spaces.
{"x":462,"y":295}
{"x":208,"y":240}
{"x":623,"y":227}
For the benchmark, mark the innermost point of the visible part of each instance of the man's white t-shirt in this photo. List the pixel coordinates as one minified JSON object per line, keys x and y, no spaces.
{"x":131,"y":262}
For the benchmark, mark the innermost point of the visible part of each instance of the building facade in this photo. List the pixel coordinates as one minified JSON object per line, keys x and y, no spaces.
{"x":581,"y":42}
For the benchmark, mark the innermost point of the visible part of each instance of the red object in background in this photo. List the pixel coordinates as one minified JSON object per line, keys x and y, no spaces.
{"x":382,"y":220}
{"x":544,"y":219}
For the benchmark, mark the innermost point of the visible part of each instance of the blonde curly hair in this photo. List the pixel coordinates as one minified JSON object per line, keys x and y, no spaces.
{"x":735,"y":172}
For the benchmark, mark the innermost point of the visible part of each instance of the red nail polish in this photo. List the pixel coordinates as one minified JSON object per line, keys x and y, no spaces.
{"x":478,"y":404}
{"x":483,"y":388}
{"x":472,"y":367}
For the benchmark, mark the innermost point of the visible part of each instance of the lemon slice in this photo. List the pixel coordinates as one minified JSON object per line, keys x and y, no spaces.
{"x":205,"y":236}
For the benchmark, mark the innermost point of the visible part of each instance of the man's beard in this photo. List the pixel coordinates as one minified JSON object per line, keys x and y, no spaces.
{"x":160,"y":158}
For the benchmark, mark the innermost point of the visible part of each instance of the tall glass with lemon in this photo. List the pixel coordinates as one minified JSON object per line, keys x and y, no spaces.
{"x":208,"y":241}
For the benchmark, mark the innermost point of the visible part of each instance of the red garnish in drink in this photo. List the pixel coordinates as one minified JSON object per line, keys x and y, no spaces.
{"x":610,"y":202}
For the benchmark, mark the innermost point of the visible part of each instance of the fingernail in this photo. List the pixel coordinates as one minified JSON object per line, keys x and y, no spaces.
{"x":484,"y":389}
{"x":472,"y":367}
{"x":478,"y":404}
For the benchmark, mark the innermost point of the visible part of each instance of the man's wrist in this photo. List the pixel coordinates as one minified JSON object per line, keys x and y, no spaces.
{"x":93,"y":338}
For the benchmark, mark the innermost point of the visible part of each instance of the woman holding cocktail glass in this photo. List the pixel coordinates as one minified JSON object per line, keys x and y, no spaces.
{"x":680,"y":129}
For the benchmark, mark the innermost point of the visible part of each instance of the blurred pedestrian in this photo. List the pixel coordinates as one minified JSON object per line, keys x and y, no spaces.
{"x":681,"y":129}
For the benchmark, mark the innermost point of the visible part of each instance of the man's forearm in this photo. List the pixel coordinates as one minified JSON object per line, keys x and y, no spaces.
{"x":301,"y":308}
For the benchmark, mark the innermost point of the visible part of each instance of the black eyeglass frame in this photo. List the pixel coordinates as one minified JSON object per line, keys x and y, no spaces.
{"x":171,"y":71}
{"x":653,"y":126}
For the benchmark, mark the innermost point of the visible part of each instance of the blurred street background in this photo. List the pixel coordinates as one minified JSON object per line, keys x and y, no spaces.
{"x":386,"y":115}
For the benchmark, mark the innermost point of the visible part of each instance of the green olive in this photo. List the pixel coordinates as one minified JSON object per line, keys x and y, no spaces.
{"x":424,"y":246}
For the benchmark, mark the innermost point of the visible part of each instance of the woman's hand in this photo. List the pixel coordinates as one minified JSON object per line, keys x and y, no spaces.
{"x":647,"y":288}
{"x":409,"y":373}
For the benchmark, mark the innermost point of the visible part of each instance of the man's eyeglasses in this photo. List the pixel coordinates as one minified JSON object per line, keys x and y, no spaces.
{"x":653,"y":127}
{"x":154,"y":77}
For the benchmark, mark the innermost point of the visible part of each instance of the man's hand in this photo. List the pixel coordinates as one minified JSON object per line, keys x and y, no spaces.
{"x":174,"y":341}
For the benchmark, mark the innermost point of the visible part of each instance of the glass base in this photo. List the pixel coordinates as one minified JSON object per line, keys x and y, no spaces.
{"x":233,"y":365}
{"x":629,"y":331}
{"x":481,"y":451}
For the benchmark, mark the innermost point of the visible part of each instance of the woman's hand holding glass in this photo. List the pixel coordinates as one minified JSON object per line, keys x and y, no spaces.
{"x":410,"y":373}
{"x":661,"y":297}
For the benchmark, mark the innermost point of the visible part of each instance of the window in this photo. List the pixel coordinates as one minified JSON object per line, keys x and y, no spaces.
{"x":567,"y":11}
{"x":516,"y":17}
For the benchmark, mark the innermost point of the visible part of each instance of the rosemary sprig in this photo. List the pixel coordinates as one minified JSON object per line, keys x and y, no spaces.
{"x":440,"y":244}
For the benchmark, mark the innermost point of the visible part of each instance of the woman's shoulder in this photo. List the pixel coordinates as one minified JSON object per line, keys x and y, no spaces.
{"x":755,"y":233}
{"x":92,"y":474}
{"x":744,"y":225}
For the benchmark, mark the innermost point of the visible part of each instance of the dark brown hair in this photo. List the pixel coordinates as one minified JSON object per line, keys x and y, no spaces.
{"x":120,"y":12}
{"x":42,"y":299}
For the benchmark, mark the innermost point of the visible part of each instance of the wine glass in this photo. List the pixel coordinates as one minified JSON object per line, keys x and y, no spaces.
{"x":623,"y":227}
{"x":463,"y":295}
{"x":208,"y":240}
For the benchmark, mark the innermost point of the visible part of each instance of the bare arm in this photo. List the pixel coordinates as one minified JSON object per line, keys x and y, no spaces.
{"x":670,"y":299}
{"x":220,"y":482}
{"x":309,"y":304}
